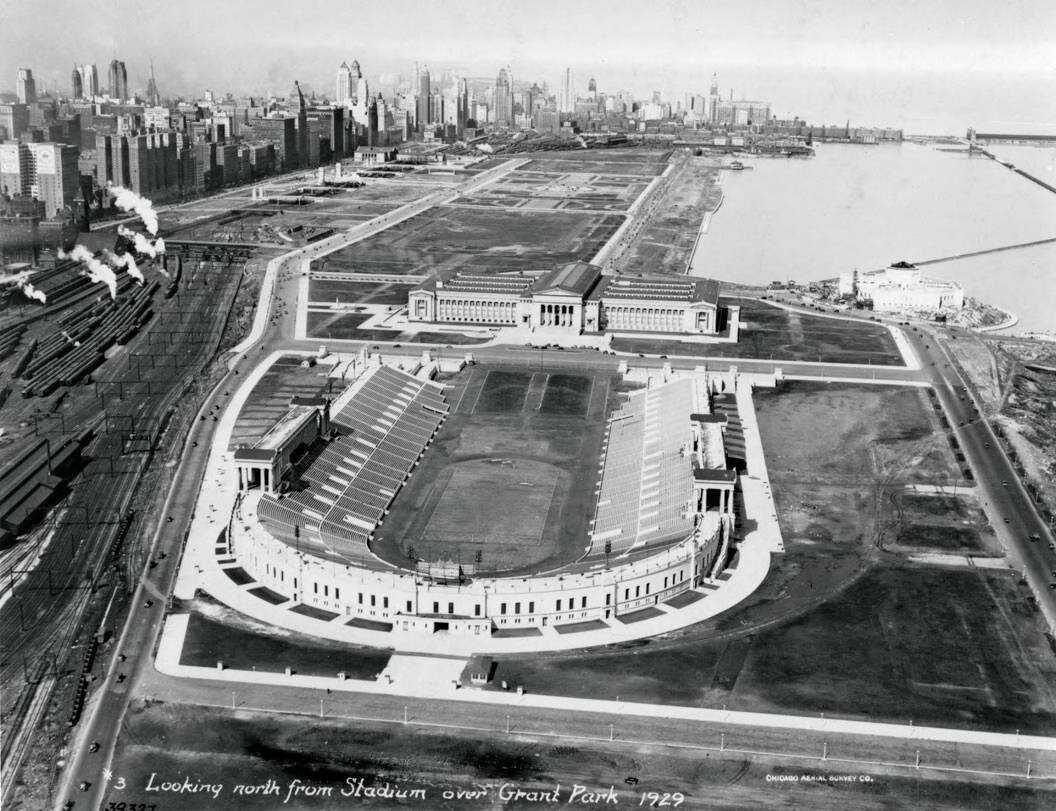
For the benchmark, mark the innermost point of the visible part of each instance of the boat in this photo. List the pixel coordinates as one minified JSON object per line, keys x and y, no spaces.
{"x":737,"y":166}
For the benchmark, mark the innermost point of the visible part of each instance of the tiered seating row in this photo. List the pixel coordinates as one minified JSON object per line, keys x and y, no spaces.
{"x":647,"y":481}
{"x":389,"y":422}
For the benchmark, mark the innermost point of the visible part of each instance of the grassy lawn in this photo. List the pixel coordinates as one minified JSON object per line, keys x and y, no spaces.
{"x":503,"y":391}
{"x":769,"y":332}
{"x":209,"y":641}
{"x":331,"y":291}
{"x":566,"y":394}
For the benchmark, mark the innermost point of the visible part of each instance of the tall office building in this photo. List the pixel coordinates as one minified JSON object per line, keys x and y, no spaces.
{"x":423,"y":110}
{"x":281,"y":131}
{"x":153,"y":96}
{"x":592,"y":89}
{"x":89,"y":81}
{"x":76,"y":86}
{"x":567,"y":102}
{"x":462,"y":108}
{"x":14,"y":120}
{"x":713,"y":99}
{"x":503,"y":100}
{"x":344,"y":90}
{"x":118,"y":80}
{"x":45,"y":171}
{"x":26,"y":86}
{"x":302,"y":128}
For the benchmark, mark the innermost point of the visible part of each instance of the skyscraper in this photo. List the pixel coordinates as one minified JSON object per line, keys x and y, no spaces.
{"x":153,"y":96}
{"x":302,"y":128}
{"x":118,"y":80}
{"x":26,"y":87}
{"x":344,"y":90}
{"x":567,"y":102}
{"x":45,"y":171}
{"x":462,"y":108}
{"x":89,"y":81}
{"x":423,"y":111}
{"x":592,"y":88}
{"x":76,"y":85}
{"x":503,"y":100}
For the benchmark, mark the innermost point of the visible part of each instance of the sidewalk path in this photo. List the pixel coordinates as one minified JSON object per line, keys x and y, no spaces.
{"x":167,"y":663}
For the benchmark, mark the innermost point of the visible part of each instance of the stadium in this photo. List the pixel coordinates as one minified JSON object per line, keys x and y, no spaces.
{"x":490,"y":500}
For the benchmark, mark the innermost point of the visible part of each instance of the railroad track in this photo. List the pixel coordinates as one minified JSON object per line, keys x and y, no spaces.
{"x":42,"y":620}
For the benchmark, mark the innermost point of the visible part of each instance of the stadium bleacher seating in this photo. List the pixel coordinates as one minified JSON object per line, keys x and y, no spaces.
{"x":385,"y":426}
{"x":647,"y":479}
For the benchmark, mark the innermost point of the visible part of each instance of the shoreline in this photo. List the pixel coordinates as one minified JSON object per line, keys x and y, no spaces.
{"x":705,"y":224}
{"x":1009,"y":322}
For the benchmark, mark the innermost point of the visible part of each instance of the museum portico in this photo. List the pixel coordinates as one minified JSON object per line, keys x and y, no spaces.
{"x":575,"y":297}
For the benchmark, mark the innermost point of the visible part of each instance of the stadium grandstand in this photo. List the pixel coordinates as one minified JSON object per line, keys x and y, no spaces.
{"x":647,"y":478}
{"x":664,"y":460}
{"x":337,"y":496}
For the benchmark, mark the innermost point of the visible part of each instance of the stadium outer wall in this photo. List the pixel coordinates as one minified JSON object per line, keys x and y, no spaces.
{"x":413,"y":604}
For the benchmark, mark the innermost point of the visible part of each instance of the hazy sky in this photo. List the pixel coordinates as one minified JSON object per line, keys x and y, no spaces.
{"x":909,"y":61}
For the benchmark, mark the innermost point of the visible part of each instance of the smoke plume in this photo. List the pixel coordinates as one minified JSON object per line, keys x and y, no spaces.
{"x":143,"y":245}
{"x":94,"y":269}
{"x":127,"y":262}
{"x":31,"y":292}
{"x":128,"y":200}
{"x":21,"y":281}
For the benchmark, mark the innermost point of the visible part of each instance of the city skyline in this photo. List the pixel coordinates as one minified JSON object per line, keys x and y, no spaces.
{"x":924,"y":69}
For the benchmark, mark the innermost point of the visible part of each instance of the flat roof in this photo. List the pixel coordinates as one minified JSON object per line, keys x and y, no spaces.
{"x":659,"y":288}
{"x":478,"y":283}
{"x":287,"y":426}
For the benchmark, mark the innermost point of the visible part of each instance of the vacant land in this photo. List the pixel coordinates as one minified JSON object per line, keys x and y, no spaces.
{"x":843,"y":433}
{"x":665,"y":243}
{"x":576,"y":189}
{"x":770,"y":332}
{"x":944,"y":523}
{"x":481,"y":240}
{"x":509,"y":483}
{"x":218,"y":746}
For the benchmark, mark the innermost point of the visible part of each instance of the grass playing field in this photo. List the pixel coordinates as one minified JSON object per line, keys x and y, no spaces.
{"x":509,"y":483}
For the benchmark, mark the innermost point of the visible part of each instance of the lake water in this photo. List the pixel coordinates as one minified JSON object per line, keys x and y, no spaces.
{"x":867,"y":206}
